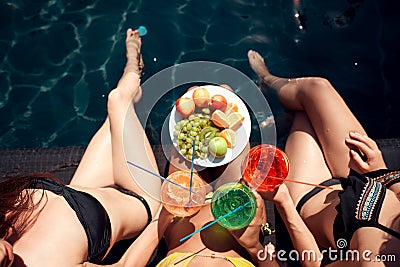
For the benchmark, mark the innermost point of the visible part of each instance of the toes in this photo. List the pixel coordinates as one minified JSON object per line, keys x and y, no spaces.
{"x":250,"y":54}
{"x":129,"y":33}
{"x":132,"y":34}
{"x":136,"y":34}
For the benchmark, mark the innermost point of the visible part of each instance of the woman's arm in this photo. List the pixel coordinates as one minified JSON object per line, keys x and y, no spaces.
{"x":139,"y":253}
{"x":302,"y":238}
{"x":248,"y":237}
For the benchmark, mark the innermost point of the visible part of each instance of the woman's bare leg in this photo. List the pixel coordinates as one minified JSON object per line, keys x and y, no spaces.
{"x":329,"y":115}
{"x":95,"y":169}
{"x":104,"y":162}
{"x":305,"y":156}
{"x":119,"y":103}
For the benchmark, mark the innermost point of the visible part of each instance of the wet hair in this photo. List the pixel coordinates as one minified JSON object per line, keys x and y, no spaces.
{"x":16,"y":202}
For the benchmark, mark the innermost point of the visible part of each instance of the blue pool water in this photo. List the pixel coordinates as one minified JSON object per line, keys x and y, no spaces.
{"x":59,"y":58}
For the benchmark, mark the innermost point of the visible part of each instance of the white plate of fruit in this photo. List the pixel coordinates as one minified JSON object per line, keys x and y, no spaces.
{"x":215,"y":120}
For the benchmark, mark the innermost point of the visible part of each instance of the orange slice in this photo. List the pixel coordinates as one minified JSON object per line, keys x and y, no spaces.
{"x":220,"y":119}
{"x":179,"y":194}
{"x":229,"y":136}
{"x":235,"y":120}
{"x":230,"y":108}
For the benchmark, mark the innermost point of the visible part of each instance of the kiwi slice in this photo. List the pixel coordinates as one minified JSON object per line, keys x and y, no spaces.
{"x":208,"y":133}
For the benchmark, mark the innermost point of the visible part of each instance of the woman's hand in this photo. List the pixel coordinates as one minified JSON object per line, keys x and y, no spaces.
{"x":365,"y":155}
{"x":279,"y":195}
{"x":165,"y":218}
{"x":248,"y":236}
{"x":6,"y":254}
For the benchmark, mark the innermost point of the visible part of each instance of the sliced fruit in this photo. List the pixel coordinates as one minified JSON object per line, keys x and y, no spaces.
{"x":235,"y":120}
{"x":220,"y":119}
{"x":230,"y":108}
{"x":185,"y":106}
{"x":208,"y":133}
{"x":201,"y":97}
{"x":218,"y":102}
{"x":229,"y":136}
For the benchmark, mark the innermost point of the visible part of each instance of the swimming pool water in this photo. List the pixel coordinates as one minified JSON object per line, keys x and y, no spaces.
{"x":59,"y":59}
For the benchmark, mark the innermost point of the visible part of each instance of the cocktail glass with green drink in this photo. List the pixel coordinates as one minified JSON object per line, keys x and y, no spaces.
{"x":233,"y":205}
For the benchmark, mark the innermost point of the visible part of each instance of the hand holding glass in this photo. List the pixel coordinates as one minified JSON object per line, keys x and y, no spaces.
{"x":266,"y":167}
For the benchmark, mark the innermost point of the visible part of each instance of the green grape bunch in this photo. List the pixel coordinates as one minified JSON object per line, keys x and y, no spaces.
{"x":197,"y":127}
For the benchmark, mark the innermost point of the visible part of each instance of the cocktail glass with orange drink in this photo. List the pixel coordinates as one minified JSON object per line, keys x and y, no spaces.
{"x":176,"y":196}
{"x":266,"y":167}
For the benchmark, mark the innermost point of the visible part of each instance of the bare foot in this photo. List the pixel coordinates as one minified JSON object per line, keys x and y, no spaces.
{"x":134,"y":58}
{"x":264,"y":76}
{"x":257,"y":64}
{"x":133,"y":45}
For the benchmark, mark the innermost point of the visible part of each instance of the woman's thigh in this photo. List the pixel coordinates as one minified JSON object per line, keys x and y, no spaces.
{"x":332,"y":121}
{"x":95,"y":168}
{"x":306,"y":159}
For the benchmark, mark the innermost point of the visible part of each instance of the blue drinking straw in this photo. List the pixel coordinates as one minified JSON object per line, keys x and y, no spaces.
{"x":215,"y":221}
{"x":142,"y":30}
{"x":191,"y":171}
{"x":157,"y":175}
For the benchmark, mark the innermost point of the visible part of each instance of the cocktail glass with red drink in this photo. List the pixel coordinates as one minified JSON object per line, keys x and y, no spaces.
{"x":265,"y":167}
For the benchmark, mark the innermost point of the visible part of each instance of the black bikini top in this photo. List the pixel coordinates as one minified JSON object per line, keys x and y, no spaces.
{"x":361,"y":202}
{"x":90,"y":213}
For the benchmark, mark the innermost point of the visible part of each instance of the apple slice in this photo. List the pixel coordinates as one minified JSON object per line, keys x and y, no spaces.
{"x":218,"y":102}
{"x":185,"y":106}
{"x":201,"y":97}
{"x":235,"y":120}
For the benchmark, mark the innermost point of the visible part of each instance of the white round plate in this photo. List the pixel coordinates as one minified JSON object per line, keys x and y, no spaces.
{"x":242,"y":133}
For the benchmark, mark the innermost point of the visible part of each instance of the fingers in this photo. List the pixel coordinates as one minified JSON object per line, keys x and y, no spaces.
{"x":356,"y":158}
{"x":363,"y":143}
{"x":365,"y":154}
{"x":261,"y":213}
{"x":363,"y":139}
{"x":226,"y":87}
{"x":6,"y":253}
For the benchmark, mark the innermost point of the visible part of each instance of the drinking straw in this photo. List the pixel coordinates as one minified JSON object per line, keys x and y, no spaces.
{"x":300,"y":182}
{"x":215,"y":221}
{"x":157,"y":175}
{"x":191,"y":171}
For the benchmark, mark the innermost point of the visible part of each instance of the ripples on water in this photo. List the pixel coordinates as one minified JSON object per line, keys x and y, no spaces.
{"x":59,"y":59}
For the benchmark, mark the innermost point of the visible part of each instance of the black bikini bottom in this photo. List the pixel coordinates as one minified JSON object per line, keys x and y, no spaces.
{"x":315,"y":191}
